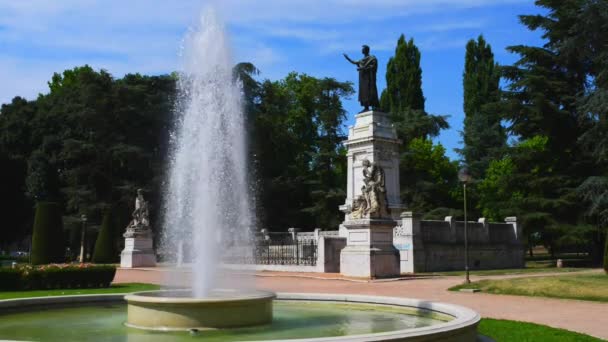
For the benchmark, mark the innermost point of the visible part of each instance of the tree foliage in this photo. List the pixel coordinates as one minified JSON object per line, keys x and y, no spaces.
{"x":421,"y":188}
{"x":298,"y":153}
{"x":483,"y":135}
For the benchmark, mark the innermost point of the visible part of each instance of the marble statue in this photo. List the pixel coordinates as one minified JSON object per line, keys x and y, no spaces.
{"x":372,"y":203}
{"x":140,"y":216}
{"x":367,"y":67}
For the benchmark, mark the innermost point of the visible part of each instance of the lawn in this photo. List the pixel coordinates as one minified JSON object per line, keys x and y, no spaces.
{"x":503,"y":330}
{"x":534,"y":268}
{"x":115,"y":288}
{"x":592,"y":287}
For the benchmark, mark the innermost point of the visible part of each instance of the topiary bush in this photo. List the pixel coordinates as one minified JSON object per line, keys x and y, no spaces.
{"x":606,"y":254}
{"x":47,"y":240}
{"x":105,"y":248}
{"x":56,"y":276}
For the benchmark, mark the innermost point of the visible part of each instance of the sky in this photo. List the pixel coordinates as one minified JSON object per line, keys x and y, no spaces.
{"x":40,"y":37}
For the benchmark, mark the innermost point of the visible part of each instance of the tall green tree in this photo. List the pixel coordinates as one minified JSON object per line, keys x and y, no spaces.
{"x":404,"y":100}
{"x":483,"y":135}
{"x":541,"y":104}
{"x":403,"y":97}
{"x":403,"y":79}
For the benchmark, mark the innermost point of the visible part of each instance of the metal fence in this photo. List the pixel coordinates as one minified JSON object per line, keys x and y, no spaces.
{"x":286,"y":252}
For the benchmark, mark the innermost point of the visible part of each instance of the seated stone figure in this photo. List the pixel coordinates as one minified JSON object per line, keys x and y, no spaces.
{"x":372,"y":202}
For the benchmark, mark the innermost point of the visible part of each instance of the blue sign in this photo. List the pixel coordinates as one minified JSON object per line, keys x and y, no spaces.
{"x":404,"y":246}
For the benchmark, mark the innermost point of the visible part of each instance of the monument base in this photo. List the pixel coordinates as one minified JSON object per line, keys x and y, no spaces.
{"x":138,"y":251}
{"x":369,"y":252}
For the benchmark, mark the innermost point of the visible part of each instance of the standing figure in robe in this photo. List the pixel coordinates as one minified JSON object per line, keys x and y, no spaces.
{"x":367,"y":67}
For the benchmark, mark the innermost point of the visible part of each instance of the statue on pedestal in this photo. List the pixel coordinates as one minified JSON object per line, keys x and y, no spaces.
{"x":372,"y":203}
{"x":367,"y":67}
{"x":141,"y":221}
{"x":139,"y":247}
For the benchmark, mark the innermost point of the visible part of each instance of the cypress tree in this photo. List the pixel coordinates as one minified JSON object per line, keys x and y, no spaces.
{"x":484,"y":137}
{"x":606,"y":254}
{"x":404,"y":100}
{"x":105,"y":248}
{"x":47,"y":239}
{"x":403,"y":79}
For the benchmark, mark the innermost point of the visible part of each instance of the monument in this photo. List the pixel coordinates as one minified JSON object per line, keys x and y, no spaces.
{"x":372,"y":202}
{"x":139,"y":251}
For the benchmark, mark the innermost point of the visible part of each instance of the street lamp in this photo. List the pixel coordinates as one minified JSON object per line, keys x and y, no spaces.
{"x":83,"y":219}
{"x":465,"y":177}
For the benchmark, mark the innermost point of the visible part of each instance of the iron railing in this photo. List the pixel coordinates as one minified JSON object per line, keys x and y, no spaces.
{"x":282,"y":251}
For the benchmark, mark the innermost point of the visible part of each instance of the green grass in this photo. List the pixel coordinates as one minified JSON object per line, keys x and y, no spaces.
{"x":115,"y":288}
{"x":503,"y":330}
{"x":533,"y":268}
{"x":593,"y":287}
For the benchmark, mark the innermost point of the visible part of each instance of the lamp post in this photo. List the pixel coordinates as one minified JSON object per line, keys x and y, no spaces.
{"x":465,"y":177}
{"x":83,"y":219}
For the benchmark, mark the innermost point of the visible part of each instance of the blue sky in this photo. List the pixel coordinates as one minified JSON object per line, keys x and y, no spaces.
{"x":39,"y":37}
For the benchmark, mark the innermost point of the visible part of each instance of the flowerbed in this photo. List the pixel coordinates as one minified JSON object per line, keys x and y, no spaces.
{"x":54,"y":276}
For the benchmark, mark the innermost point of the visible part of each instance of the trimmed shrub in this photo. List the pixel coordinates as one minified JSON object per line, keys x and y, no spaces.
{"x":105,"y":251}
{"x":56,"y":277}
{"x":10,"y":279}
{"x":47,"y":239}
{"x":606,"y":255}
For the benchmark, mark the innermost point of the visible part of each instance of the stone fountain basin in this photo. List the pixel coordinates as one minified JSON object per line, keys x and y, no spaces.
{"x":174,"y":310}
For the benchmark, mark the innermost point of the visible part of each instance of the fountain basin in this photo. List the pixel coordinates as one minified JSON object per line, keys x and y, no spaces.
{"x":175,"y":310}
{"x":297,"y":317}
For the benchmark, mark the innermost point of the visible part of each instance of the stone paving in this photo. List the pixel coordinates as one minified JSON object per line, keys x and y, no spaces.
{"x":581,"y":316}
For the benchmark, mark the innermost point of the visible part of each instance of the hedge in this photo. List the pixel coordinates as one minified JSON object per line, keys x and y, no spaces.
{"x":105,"y":250}
{"x":47,"y":240}
{"x":56,"y":277}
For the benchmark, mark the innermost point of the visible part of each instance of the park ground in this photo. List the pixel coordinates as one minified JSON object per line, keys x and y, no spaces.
{"x":583,"y":316}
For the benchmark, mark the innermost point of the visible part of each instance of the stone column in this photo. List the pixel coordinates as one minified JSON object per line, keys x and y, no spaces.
{"x":516,"y":228}
{"x":408,"y":240}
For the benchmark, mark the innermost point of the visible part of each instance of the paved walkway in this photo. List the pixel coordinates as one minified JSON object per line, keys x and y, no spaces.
{"x":581,"y":316}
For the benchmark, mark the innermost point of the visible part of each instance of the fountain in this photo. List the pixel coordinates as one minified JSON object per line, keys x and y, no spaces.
{"x":208,"y":208}
{"x":207,"y":200}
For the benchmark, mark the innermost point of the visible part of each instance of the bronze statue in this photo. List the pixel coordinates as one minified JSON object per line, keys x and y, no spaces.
{"x":372,"y":202}
{"x":367,"y":67}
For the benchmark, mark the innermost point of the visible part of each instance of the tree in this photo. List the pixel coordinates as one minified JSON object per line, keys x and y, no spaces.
{"x":484,"y":136}
{"x":403,"y":79}
{"x":404,"y":100}
{"x":47,"y":240}
{"x":541,"y":105}
{"x":105,"y":246}
{"x":433,"y":177}
{"x":403,"y":97}
{"x":298,"y":151}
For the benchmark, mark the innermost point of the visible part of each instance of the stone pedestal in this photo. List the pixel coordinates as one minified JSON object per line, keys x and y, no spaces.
{"x":369,"y":251}
{"x":373,"y":138}
{"x":139,"y":251}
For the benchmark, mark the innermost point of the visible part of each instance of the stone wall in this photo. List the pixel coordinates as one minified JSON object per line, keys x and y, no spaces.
{"x":434,"y":246}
